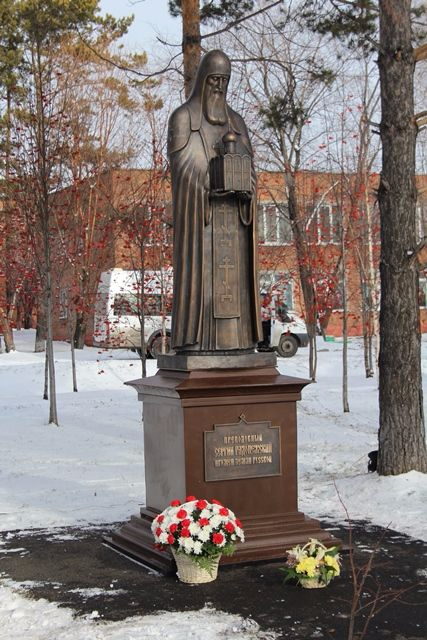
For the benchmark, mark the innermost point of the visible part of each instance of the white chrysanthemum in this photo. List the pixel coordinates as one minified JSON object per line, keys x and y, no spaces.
{"x":189,"y":506}
{"x":204,"y":534}
{"x":215,"y":521}
{"x":197,"y":547}
{"x":188,"y":545}
{"x":205,"y":513}
{"x":181,"y":541}
{"x":194,"y":528}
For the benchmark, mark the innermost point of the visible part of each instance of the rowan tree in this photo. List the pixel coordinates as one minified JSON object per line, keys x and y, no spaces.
{"x":101,"y":116}
{"x":39,"y":121}
{"x":143,"y":218}
{"x":351,"y":154}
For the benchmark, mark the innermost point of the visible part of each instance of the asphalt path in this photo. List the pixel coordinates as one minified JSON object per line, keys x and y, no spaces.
{"x":61,"y":565}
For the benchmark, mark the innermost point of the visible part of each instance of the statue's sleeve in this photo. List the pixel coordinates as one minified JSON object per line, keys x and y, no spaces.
{"x":179,"y":129}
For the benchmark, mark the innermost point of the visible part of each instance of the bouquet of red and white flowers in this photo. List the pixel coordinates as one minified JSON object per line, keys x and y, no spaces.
{"x":203,"y":530}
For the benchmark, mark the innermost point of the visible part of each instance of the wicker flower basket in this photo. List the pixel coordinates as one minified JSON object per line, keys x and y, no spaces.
{"x":312,"y":583}
{"x":190,"y":572}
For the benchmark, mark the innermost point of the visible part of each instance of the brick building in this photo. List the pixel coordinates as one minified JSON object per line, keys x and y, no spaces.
{"x":129,"y":213}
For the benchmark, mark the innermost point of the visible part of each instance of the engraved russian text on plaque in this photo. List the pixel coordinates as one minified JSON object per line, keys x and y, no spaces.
{"x":242,"y":450}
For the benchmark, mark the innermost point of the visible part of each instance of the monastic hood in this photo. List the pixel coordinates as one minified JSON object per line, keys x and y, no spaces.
{"x":214,"y":62}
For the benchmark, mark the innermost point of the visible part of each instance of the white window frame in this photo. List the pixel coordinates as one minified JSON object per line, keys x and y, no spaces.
{"x":314,"y":218}
{"x":264,"y":215}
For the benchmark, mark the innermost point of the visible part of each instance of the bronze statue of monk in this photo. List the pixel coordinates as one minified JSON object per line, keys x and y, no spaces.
{"x":216,"y":300}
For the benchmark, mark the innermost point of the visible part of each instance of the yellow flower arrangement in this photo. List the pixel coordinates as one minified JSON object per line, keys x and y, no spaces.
{"x":312,"y":561}
{"x":307,"y":566}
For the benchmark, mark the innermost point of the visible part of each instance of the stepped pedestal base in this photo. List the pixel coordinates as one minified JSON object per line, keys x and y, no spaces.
{"x":227,"y":434}
{"x":265,"y":539}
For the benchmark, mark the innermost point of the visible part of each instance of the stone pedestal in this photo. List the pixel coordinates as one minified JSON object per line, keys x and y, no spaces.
{"x":229,"y":434}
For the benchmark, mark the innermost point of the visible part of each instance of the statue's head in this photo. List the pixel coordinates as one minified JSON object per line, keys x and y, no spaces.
{"x":210,"y":85}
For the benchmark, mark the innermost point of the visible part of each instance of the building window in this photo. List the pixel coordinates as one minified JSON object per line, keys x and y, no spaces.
{"x":274,"y":227}
{"x":323,"y":224}
{"x":63,"y":304}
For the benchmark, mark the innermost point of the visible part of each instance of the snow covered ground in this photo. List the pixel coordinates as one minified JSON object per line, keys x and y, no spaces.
{"x":90,"y":469}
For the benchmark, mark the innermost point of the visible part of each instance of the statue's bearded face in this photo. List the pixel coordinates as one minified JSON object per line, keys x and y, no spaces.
{"x":214,"y":96}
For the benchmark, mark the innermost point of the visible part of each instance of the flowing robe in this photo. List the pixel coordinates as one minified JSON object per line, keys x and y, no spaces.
{"x":196,"y":324}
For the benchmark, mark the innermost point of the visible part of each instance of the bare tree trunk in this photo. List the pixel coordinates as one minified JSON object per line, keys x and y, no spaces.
{"x":402,"y":434}
{"x":53,"y":413}
{"x":191,"y":41}
{"x":368,"y":350}
{"x":40,"y":343}
{"x":141,"y":310}
{"x":345,"y":404}
{"x":373,"y":295}
{"x":46,"y":378}
{"x":4,"y":317}
{"x":44,"y":217}
{"x":73,"y":357}
{"x":306,"y":279}
{"x":7,"y":332}
{"x":366,"y":332}
{"x":79,"y":331}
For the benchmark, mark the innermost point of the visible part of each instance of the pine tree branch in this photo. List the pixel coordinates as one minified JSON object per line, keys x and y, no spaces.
{"x":234,"y":23}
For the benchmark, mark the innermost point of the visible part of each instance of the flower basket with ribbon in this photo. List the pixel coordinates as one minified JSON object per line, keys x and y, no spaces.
{"x":197,"y":532}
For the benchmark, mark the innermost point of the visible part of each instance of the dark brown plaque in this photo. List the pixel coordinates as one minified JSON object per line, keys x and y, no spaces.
{"x":242,"y":450}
